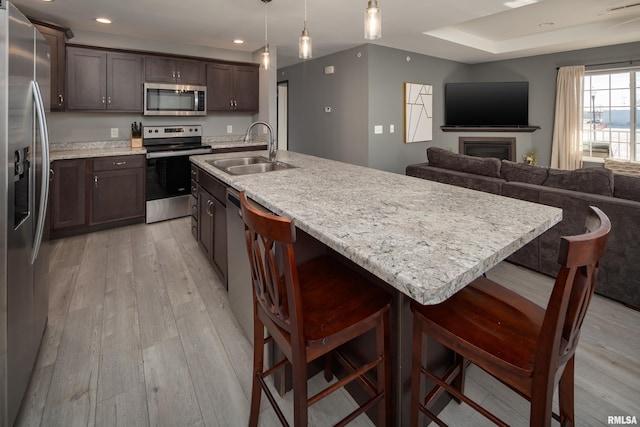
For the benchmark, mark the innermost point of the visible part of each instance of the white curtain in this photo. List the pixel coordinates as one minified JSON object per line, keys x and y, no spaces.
{"x":566,"y":150}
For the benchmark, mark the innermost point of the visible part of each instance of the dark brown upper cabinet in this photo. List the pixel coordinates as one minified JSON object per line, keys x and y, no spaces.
{"x":233,"y":87}
{"x":56,"y":37}
{"x":170,"y":70}
{"x":100,"y":80}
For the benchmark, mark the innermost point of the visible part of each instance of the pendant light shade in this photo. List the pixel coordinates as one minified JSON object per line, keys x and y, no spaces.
{"x":372,"y":21}
{"x":304,"y":42}
{"x":266,"y":56}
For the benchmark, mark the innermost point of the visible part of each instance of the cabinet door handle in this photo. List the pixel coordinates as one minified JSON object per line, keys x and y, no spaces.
{"x":103,"y":101}
{"x":51,"y":173}
{"x":193,"y":189}
{"x":119,"y":163}
{"x":178,"y":75}
{"x":173,"y":74}
{"x":231,"y":103}
{"x":194,"y":172}
{"x":60,"y":100}
{"x":95,"y":180}
{"x":235,"y":104}
{"x":209,"y":206}
{"x":109,"y":100}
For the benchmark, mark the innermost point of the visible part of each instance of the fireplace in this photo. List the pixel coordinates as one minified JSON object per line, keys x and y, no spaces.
{"x":500,"y":147}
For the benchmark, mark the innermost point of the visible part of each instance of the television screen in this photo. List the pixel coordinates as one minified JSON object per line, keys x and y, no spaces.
{"x":487,"y":104}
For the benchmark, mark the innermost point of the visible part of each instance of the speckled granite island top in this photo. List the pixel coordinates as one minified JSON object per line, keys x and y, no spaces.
{"x":426,"y":239}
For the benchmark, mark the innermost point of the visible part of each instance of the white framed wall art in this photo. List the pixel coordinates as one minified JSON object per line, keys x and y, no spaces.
{"x":418,"y":112}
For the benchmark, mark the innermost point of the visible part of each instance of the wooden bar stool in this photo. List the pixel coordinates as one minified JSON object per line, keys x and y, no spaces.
{"x":526,"y":347}
{"x":309,"y":311}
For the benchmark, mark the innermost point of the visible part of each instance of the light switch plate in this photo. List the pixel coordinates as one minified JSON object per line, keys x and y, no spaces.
{"x":392,"y":128}
{"x":377,"y":129}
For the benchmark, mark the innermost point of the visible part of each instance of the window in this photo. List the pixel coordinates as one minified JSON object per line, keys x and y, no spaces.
{"x":611,"y":115}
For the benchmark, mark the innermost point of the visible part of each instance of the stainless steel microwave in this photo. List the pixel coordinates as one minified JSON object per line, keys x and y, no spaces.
{"x":164,"y":99}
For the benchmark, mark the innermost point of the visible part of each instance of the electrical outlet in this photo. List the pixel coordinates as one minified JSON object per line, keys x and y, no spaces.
{"x":114,"y":132}
{"x":229,"y":129}
{"x":327,"y":109}
{"x":377,"y":129}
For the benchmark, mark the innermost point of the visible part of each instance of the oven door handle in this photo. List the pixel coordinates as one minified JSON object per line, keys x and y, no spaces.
{"x":161,"y":154}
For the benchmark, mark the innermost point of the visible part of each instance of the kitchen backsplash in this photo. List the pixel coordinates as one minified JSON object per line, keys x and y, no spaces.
{"x":69,"y":127}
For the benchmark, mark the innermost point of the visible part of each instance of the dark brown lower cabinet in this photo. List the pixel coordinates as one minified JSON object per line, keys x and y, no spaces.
{"x":93,"y":194}
{"x":211,"y":222}
{"x":117,"y":189}
{"x":68,"y":194}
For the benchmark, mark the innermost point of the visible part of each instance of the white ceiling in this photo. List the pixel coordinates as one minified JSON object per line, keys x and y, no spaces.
{"x":470,"y":31}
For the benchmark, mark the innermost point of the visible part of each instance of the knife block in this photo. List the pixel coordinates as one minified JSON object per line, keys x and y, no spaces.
{"x":136,"y":142}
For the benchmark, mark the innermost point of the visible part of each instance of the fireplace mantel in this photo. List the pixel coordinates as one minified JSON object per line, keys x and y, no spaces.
{"x":489,"y":129}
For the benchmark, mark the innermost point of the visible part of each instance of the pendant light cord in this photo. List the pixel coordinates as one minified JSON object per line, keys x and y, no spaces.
{"x":266,"y":24}
{"x":305,"y":14}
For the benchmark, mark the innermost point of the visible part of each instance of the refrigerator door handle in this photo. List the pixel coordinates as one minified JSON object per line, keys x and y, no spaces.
{"x":44,"y":194}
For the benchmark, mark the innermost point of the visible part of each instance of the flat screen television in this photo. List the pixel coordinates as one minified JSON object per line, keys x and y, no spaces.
{"x":487,"y":104}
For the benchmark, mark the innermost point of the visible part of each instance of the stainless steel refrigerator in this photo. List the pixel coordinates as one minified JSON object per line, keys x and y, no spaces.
{"x":24,"y":183}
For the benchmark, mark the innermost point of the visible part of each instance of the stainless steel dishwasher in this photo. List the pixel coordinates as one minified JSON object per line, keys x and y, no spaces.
{"x":239,"y":269}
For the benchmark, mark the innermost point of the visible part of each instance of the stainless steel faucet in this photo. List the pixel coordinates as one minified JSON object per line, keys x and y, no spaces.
{"x":273,"y":150}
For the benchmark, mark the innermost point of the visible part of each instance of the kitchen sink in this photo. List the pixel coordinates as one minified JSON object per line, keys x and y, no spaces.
{"x":237,"y":161}
{"x":248,"y":165}
{"x":258,"y":168}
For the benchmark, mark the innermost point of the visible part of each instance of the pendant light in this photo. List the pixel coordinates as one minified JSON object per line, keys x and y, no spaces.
{"x":266,"y":56}
{"x":372,"y":21}
{"x":304,"y":42}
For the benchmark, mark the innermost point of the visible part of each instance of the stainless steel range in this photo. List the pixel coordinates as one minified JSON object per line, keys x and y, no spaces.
{"x":168,"y":169}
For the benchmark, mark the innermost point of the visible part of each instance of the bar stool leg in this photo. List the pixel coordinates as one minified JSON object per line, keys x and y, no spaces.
{"x":458,"y":381}
{"x":565,"y":392}
{"x":384,"y":371}
{"x":258,"y":367}
{"x":416,"y":376}
{"x":300,"y":408}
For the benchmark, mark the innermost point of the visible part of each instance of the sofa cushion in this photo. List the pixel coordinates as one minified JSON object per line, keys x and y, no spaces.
{"x":626,"y":187}
{"x":461,"y":179}
{"x":441,"y":158}
{"x":522,"y":172}
{"x":589,"y":180}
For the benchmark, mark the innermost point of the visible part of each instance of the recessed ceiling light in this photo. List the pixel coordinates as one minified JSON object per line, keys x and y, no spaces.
{"x":104,"y":20}
{"x":48,"y":1}
{"x":238,"y":41}
{"x":546,"y":24}
{"x":514,"y":4}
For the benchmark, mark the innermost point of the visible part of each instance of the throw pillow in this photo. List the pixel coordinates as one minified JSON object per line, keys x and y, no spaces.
{"x":441,"y":158}
{"x":522,"y":172}
{"x":589,"y":180}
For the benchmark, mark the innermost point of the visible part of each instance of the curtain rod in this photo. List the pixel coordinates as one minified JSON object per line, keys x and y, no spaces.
{"x":628,"y":61}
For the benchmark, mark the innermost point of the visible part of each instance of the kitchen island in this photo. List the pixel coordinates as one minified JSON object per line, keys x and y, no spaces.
{"x":424,"y":239}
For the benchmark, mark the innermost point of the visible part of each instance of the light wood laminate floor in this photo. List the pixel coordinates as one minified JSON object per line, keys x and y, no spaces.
{"x":140,"y":333}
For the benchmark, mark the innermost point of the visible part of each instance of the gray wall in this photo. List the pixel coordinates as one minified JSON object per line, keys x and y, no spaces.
{"x":389,"y":69}
{"x":381,"y":101}
{"x":540,"y":71}
{"x":342,"y":133}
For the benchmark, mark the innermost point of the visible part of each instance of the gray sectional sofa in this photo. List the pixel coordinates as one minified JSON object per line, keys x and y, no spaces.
{"x":573,"y":191}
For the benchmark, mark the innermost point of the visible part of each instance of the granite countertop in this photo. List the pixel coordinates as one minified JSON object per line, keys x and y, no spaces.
{"x":426,"y":239}
{"x":79,"y":150}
